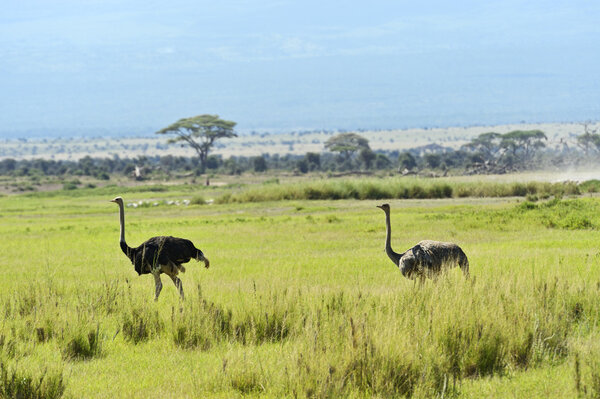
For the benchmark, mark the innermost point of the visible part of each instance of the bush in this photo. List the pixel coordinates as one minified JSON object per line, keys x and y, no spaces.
{"x":590,"y":186}
{"x":198,"y":200}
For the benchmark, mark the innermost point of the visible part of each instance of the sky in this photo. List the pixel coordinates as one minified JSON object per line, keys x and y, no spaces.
{"x":90,"y":67}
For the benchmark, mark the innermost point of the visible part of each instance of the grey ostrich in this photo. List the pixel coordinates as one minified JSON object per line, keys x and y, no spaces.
{"x":425,"y":259}
{"x":162,"y":254}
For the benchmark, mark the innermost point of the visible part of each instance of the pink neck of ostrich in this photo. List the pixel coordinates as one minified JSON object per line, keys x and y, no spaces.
{"x":122,"y":221}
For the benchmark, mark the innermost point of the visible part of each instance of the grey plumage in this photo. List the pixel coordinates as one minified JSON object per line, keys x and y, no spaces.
{"x":427,"y":258}
{"x":161,"y":254}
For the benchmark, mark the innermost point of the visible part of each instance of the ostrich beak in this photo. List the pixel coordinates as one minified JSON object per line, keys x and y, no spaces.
{"x":206,"y":263}
{"x":379,"y":206}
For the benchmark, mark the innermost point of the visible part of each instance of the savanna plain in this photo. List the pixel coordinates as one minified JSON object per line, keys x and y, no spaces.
{"x":300,"y":299}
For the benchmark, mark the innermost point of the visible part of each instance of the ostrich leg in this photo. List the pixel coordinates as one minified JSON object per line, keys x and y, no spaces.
{"x":179,"y":285}
{"x":158,"y":284}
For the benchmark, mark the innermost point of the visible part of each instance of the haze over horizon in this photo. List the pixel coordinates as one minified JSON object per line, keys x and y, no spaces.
{"x":108,"y":66}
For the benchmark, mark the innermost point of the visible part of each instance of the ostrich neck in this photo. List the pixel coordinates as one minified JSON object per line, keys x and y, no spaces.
{"x":122,"y":221}
{"x":124,"y":247}
{"x":395,"y":257}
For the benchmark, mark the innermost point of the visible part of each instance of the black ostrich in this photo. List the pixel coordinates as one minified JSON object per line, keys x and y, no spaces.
{"x":162,"y":254}
{"x":425,"y":259}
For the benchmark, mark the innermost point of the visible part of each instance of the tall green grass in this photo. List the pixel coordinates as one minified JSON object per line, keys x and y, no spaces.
{"x":586,"y":365}
{"x":16,"y":383}
{"x":300,"y":300}
{"x":420,"y":341}
{"x":395,"y":188}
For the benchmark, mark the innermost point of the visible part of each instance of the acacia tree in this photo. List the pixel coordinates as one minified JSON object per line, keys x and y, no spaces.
{"x":488,"y":144}
{"x":367,"y":157}
{"x":407,"y":161}
{"x":525,"y":142}
{"x":515,"y":149}
{"x":589,"y":139}
{"x":200,"y":132}
{"x":346,"y":144}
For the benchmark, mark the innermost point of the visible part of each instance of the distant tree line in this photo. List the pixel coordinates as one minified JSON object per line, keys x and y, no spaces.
{"x":346,"y":152}
{"x":102,"y":168}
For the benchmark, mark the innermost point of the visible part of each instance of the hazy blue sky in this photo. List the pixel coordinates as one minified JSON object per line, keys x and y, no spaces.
{"x":80,"y":66}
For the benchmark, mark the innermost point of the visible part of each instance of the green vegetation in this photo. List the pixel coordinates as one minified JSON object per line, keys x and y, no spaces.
{"x":399,"y":188}
{"x":300,"y":299}
{"x":15,"y":384}
{"x":342,"y":154}
{"x":435,"y":152}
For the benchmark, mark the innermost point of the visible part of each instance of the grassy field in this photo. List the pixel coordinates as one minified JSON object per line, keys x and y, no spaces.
{"x":300,"y":299}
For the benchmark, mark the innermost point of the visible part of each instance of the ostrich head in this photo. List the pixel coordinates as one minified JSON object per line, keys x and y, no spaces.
{"x":384,"y":207}
{"x":117,"y":200}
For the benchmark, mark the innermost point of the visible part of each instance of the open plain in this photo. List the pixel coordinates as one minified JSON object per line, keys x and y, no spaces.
{"x":300,"y":299}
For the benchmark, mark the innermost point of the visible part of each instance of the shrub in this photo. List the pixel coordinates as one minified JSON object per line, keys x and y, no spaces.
{"x":224,"y":199}
{"x":198,"y":200}
{"x":102,"y":176}
{"x":590,"y":186}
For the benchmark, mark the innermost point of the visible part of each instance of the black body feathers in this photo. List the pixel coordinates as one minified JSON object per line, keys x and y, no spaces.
{"x":161,"y":250}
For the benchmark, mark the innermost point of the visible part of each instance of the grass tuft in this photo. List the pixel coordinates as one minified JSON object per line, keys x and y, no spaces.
{"x":19,"y":384}
{"x":200,"y":325}
{"x":140,"y":324}
{"x":82,"y":344}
